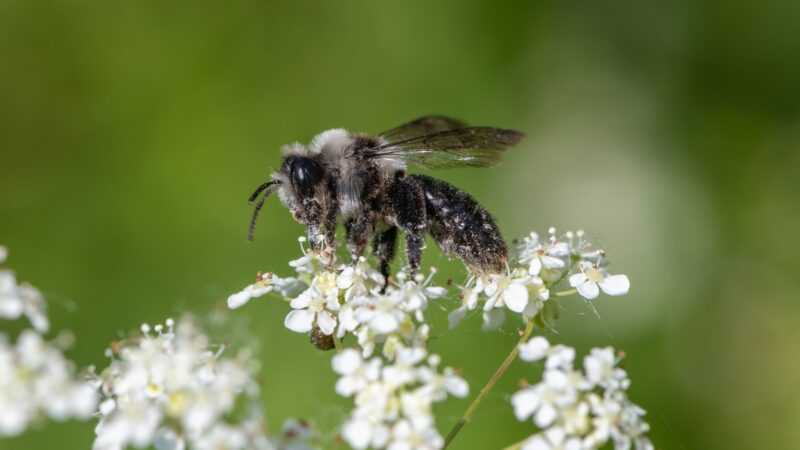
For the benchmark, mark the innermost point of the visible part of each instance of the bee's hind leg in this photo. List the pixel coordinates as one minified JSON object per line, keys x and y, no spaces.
{"x":383,"y":247}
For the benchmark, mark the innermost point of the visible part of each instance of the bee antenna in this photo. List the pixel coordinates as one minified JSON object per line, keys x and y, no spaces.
{"x":261,"y":188}
{"x":267,"y":188}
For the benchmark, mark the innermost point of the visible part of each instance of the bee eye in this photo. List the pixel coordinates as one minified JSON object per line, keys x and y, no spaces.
{"x":306,"y":173}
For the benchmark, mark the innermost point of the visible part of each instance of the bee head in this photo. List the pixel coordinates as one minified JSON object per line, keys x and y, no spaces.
{"x":304,"y":174}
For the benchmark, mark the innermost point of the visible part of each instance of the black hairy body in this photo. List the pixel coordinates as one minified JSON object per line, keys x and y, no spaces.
{"x":361,"y":181}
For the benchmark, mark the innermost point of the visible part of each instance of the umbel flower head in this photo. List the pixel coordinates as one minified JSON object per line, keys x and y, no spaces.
{"x":351,"y":299}
{"x":393,"y":401}
{"x":172,"y":388}
{"x":389,"y":372}
{"x":579,"y":409}
{"x":36,"y":380}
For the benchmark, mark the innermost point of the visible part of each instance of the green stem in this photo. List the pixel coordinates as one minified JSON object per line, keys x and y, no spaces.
{"x":489,"y":385}
{"x":337,"y":343}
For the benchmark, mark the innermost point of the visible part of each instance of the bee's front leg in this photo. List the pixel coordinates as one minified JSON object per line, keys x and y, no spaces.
{"x":313,"y":221}
{"x":331,"y":213}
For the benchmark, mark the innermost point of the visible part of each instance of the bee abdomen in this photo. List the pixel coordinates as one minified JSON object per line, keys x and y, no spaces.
{"x":460,"y":225}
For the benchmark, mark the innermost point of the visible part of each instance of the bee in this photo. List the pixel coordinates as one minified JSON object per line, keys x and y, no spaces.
{"x":361,"y":180}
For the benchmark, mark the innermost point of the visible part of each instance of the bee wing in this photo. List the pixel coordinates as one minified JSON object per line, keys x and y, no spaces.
{"x":449,"y":149}
{"x":422,"y":127}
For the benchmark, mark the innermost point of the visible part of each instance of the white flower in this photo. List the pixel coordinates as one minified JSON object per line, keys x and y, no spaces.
{"x":383,"y":313}
{"x":553,"y":438}
{"x":592,"y":279}
{"x":544,"y":400}
{"x":509,"y":290}
{"x":469,"y":298}
{"x":173,"y":389}
{"x":356,"y":373}
{"x":250,"y":292}
{"x":601,"y":369}
{"x":313,"y":306}
{"x":265,"y":284}
{"x":416,"y":293}
{"x":359,"y":279}
{"x":361,"y":432}
{"x":22,"y":299}
{"x":558,"y":356}
{"x":415,"y":435}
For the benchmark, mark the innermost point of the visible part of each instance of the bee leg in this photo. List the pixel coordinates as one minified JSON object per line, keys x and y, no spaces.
{"x":313,"y":213}
{"x":414,"y":243}
{"x":358,"y":234}
{"x":330,"y":226}
{"x":383,"y":246}
{"x":408,"y":204}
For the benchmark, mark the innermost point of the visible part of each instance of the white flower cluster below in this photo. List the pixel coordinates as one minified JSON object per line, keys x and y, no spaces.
{"x":171,"y":389}
{"x":394,"y":400}
{"x":36,"y":380}
{"x":579,"y":410}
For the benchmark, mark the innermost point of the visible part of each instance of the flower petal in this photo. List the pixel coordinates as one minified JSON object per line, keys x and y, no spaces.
{"x":534,"y":350}
{"x":236,"y":300}
{"x":383,"y":323}
{"x":525,"y":402}
{"x":456,"y":316}
{"x":299,"y":321}
{"x":358,"y":433}
{"x":303,"y":300}
{"x":615,"y":285}
{"x":346,"y":278}
{"x":326,"y":322}
{"x":545,"y":415}
{"x":552,"y":263}
{"x":588,"y":290}
{"x":536,"y":266}
{"x":515,"y":297}
{"x":577,"y":279}
{"x":346,"y":362}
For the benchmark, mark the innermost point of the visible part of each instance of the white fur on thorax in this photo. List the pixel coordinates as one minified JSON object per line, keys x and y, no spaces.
{"x":335,"y":147}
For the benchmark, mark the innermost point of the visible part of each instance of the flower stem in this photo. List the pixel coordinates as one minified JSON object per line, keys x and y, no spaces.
{"x":337,"y":343}
{"x":489,"y":385}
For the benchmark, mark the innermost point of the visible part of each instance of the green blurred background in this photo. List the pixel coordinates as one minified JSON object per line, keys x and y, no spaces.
{"x":131,"y":134}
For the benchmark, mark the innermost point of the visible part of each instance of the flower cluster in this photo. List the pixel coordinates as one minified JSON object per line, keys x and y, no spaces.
{"x":171,"y":388}
{"x":393,"y":400}
{"x":576,"y":409}
{"x":351,"y":299}
{"x":539,"y":266}
{"x":393,"y":392}
{"x":36,"y":380}
{"x":18,"y":299}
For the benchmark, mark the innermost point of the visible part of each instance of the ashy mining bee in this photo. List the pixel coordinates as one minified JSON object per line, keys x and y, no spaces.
{"x":361,"y":180}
